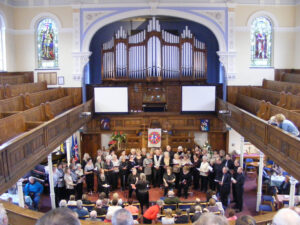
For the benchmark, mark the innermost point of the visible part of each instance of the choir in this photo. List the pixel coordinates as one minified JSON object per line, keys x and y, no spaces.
{"x":170,"y":170}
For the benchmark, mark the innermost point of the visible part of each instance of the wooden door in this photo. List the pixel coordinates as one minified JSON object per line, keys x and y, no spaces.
{"x":218,"y":140}
{"x":90,"y":144}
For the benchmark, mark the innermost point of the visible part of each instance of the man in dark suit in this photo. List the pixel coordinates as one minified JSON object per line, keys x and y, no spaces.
{"x":227,"y":162}
{"x":225,"y":187}
{"x":217,"y":167}
{"x":239,"y":188}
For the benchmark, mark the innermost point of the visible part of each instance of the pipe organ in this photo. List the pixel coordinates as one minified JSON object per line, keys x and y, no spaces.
{"x":154,"y":54}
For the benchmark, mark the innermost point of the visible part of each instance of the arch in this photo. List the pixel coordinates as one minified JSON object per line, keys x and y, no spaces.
{"x":210,"y":24}
{"x":267,"y":14}
{"x":39,"y":17}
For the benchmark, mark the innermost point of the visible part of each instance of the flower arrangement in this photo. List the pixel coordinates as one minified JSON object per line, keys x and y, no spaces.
{"x":208,"y":148}
{"x":117,"y":138}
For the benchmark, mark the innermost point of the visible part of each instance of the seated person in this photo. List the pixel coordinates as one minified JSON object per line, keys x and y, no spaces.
{"x":168,"y":218}
{"x":93,"y":216}
{"x":169,"y":180}
{"x":114,"y":207}
{"x":171,"y":199}
{"x":80,"y":210}
{"x":285,"y":186}
{"x":63,"y":204}
{"x":99,"y":209}
{"x":198,"y":213}
{"x":181,"y":218}
{"x":85,"y":200}
{"x":265,"y":176}
{"x":286,"y":125}
{"x":212,"y":207}
{"x":33,"y":189}
{"x":72,"y":200}
{"x":197,"y":202}
{"x":231,"y":215}
{"x":131,"y":208}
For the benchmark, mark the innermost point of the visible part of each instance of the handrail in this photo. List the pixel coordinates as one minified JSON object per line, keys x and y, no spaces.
{"x":279,"y":145}
{"x":22,"y":153}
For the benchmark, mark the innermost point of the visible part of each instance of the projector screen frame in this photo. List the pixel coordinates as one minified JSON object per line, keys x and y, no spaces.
{"x":199,"y":112}
{"x":112,"y":113}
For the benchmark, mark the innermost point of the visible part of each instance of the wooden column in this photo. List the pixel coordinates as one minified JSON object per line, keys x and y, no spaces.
{"x":51,"y":183}
{"x":259,"y":185}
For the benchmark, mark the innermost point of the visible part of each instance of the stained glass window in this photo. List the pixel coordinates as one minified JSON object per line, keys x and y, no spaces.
{"x":261,"y":42}
{"x":47,"y":44}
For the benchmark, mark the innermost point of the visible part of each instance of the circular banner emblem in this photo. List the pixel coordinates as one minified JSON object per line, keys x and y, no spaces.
{"x":154,"y":137}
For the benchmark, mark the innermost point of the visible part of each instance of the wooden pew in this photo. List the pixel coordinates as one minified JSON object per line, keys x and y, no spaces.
{"x":279,"y":86}
{"x":56,"y":107}
{"x":11,"y":127}
{"x":2,"y":92}
{"x":16,"y":77}
{"x":34,"y":99}
{"x":288,"y":77}
{"x":17,"y":89}
{"x":11,"y":106}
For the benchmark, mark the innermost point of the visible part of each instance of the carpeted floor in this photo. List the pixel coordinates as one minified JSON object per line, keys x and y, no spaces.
{"x":249,"y":208}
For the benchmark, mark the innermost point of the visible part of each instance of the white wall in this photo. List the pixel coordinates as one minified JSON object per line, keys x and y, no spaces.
{"x":234,"y":144}
{"x":297,"y":40}
{"x":200,"y":138}
{"x":283,"y":43}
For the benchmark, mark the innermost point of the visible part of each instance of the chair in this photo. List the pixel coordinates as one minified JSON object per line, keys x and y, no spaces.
{"x":89,"y":207}
{"x":83,"y":217}
{"x":170,"y":206}
{"x":185,"y":206}
{"x":101,"y":217}
{"x":285,"y":173}
{"x":267,"y":205}
{"x":250,"y":170}
{"x":137,"y":204}
{"x":72,"y":207}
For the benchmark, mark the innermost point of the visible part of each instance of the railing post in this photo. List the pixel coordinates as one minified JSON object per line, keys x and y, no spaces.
{"x":20,"y":193}
{"x":242,"y":152}
{"x":293,"y":182}
{"x":259,"y":186}
{"x":51,"y":182}
{"x":68,"y":146}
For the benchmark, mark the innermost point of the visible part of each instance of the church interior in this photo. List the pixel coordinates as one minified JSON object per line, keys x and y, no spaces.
{"x":149,"y":100}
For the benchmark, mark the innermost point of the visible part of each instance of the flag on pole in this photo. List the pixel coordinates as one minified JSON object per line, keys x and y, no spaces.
{"x":74,"y":148}
{"x":154,"y":138}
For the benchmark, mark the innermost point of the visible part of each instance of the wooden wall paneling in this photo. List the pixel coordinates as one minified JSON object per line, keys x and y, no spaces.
{"x":174,"y":98}
{"x":135,"y":94}
{"x":90,"y":144}
{"x":49,"y":77}
{"x":218,"y":140}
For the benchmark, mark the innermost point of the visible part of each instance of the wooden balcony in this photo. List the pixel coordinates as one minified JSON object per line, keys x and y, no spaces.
{"x":277,"y":144}
{"x":22,"y":153}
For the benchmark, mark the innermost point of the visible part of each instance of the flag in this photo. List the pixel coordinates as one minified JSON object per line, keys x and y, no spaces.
{"x":63,"y":148}
{"x":74,"y":148}
{"x":154,"y":138}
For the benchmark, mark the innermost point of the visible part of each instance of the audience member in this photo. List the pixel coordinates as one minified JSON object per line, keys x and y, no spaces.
{"x":93,"y":216}
{"x":211,"y":219}
{"x":99,"y":209}
{"x":231,"y":214}
{"x":122,"y":217}
{"x":80,"y":210}
{"x":3,"y":216}
{"x":212,"y":207}
{"x":63,"y":216}
{"x":285,"y":186}
{"x":168,"y":218}
{"x":197,"y":214}
{"x":180,"y":219}
{"x":72,"y":200}
{"x":171,"y":199}
{"x":34,"y":189}
{"x":245,"y":220}
{"x":286,"y":216}
{"x":152,"y":212}
{"x":286,"y":124}
{"x":197,"y":202}
{"x":113,"y":208}
{"x":131,"y":208}
{"x":63,"y":204}
{"x":85,"y":200}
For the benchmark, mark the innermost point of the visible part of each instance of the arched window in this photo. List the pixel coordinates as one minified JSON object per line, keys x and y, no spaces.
{"x":2,"y":45}
{"x":47,"y":44}
{"x":261,"y":42}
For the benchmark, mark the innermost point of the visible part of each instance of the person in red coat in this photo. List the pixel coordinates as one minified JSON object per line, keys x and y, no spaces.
{"x":152,"y":212}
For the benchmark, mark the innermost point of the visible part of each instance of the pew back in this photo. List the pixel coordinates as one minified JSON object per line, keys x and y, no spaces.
{"x":15,"y":104}
{"x":279,"y":86}
{"x":17,"y":89}
{"x":16,"y":77}
{"x":289,"y":77}
{"x":11,"y":126}
{"x":58,"y":106}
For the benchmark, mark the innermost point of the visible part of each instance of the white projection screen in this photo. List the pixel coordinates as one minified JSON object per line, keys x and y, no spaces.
{"x":198,"y":98}
{"x":111,"y":99}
